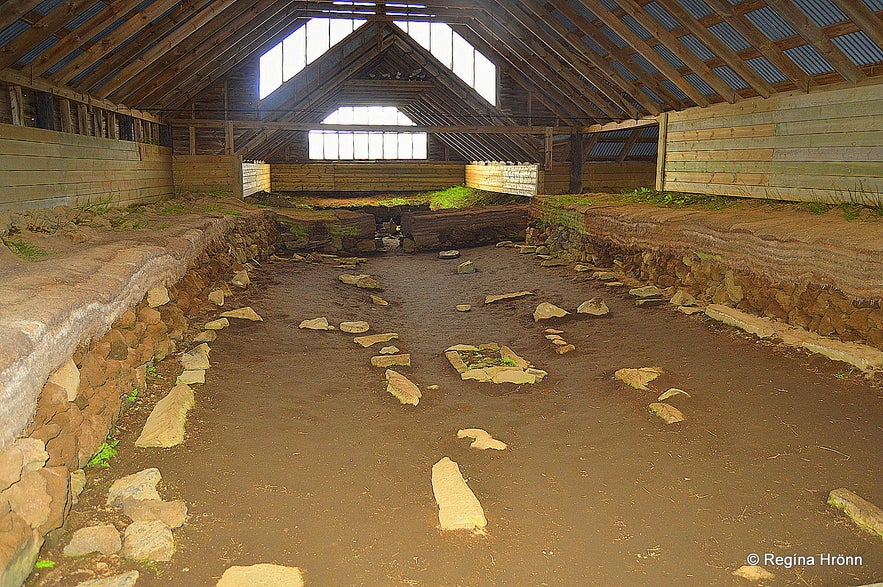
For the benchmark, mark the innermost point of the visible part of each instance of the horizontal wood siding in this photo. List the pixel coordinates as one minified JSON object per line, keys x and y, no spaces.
{"x":611,"y":176}
{"x":519,"y":180}
{"x":824,"y":147}
{"x":44,"y":168}
{"x":530,"y":180}
{"x":255,"y":178}
{"x":208,"y":173}
{"x":364,"y":177}
{"x":555,"y":180}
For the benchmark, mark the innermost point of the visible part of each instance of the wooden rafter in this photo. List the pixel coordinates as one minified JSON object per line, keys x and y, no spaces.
{"x":14,"y":10}
{"x":41,"y":30}
{"x":862,"y":16}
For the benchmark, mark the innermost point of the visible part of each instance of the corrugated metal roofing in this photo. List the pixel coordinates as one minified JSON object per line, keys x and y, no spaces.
{"x":653,"y":95}
{"x":766,"y":69}
{"x":86,"y":15}
{"x":35,"y":52}
{"x":642,"y":61}
{"x":700,"y":84}
{"x":606,"y":150}
{"x":662,"y":16}
{"x":809,"y":60}
{"x":67,"y":59}
{"x":143,"y":5}
{"x":643,"y":150}
{"x":859,"y":47}
{"x":636,"y":27}
{"x":87,"y":71}
{"x":12,"y":31}
{"x":669,"y":56}
{"x":770,"y":23}
{"x":623,"y":71}
{"x":616,"y":134}
{"x":697,"y":8}
{"x":875,"y":5}
{"x":821,"y":12}
{"x":107,"y":30}
{"x":47,"y":6}
{"x":733,"y":79}
{"x":617,"y":40}
{"x":594,"y":46}
{"x":581,"y":8}
{"x":729,"y":36}
{"x":697,"y":47}
{"x":649,"y":132}
{"x":673,"y":89}
{"x":610,"y":4}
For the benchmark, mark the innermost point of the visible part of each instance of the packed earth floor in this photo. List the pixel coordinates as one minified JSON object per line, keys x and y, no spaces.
{"x":297,"y":455}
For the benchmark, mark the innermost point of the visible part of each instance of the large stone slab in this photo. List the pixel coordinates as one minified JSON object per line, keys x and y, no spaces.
{"x":124,"y":580}
{"x":355,"y":327}
{"x":165,"y":425}
{"x":638,"y":378}
{"x":246,"y":313}
{"x":405,"y":390}
{"x":760,"y":327}
{"x":668,"y":413}
{"x":104,"y":539}
{"x":19,"y":548}
{"x":367,"y":341}
{"x":68,"y":378}
{"x":481,"y":439}
{"x":865,"y":514}
{"x":148,"y":541}
{"x":384,"y":361}
{"x":171,"y":513}
{"x":262,"y":575}
{"x":140,"y":485}
{"x":546,"y":311}
{"x":507,"y":296}
{"x":593,"y":307}
{"x":458,"y":508}
{"x":320,"y":323}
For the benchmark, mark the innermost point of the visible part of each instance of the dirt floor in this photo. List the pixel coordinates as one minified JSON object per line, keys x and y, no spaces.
{"x":296,"y":455}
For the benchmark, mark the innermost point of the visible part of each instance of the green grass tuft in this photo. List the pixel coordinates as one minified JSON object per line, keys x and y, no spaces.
{"x":105,"y":453}
{"x":44,"y":564}
{"x":24,"y":249}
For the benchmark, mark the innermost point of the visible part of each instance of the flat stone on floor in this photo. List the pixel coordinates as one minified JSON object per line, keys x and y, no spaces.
{"x":760,"y":327}
{"x":140,"y":485}
{"x":171,"y":513}
{"x":262,"y":575}
{"x":389,"y":350}
{"x":669,"y":414}
{"x":206,"y":336}
{"x":378,"y":301}
{"x":316,"y":324}
{"x":373,"y":339}
{"x":402,"y":388}
{"x":216,"y":296}
{"x":507,"y":296}
{"x":648,"y":291}
{"x":545,"y":311}
{"x":191,"y":377}
{"x":448,"y":254}
{"x":246,"y":313}
{"x":148,"y":541}
{"x":357,"y":327}
{"x":464,"y":308}
{"x":466,"y":267}
{"x":124,"y":580}
{"x":384,"y":361}
{"x":865,"y":514}
{"x":219,"y":324}
{"x":165,"y":425}
{"x":458,"y":508}
{"x":241,"y":279}
{"x":103,"y":539}
{"x":563,"y":350}
{"x":593,"y":307}
{"x":481,"y":439}
{"x":638,"y":378}
{"x":753,"y":573}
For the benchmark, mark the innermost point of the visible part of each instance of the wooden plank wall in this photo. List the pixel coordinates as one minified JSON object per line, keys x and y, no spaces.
{"x":530,"y":180}
{"x":208,"y":173}
{"x":365,"y":177}
{"x":44,"y":168}
{"x":600,"y":176}
{"x":824,"y":146}
{"x":519,"y":180}
{"x":255,"y":177}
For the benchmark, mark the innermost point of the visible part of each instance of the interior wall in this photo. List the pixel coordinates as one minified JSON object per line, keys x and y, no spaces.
{"x":255,"y":177}
{"x":208,"y":173}
{"x":365,"y":177}
{"x":531,"y":180}
{"x":823,"y":146}
{"x":42,"y":168}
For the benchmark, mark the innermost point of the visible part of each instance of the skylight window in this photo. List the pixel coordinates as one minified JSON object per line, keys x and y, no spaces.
{"x":456,"y":54}
{"x":367,"y":145}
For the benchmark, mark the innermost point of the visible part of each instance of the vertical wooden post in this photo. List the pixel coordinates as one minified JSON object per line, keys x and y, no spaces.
{"x":192,"y":139}
{"x":228,"y":137}
{"x":67,"y":121}
{"x":112,"y":131}
{"x":576,"y":162}
{"x":82,"y":119}
{"x":547,"y":147}
{"x":139,"y":133}
{"x":661,"y":151}
{"x":17,"y":102}
{"x":45,"y":109}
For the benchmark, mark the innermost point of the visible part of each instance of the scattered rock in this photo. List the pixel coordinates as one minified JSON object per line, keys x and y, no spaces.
{"x":527,"y":249}
{"x":357,"y":327}
{"x":563,"y":350}
{"x":464,"y":308}
{"x":689,"y":310}
{"x":466,"y":267}
{"x":760,"y":327}
{"x":604,"y":275}
{"x":140,"y":485}
{"x":389,"y":350}
{"x":614,"y":284}
{"x":194,"y":361}
{"x":683,"y":298}
{"x":507,"y":296}
{"x":246,"y":313}
{"x":649,"y":302}
{"x":191,"y":377}
{"x":449,"y":254}
{"x":316,"y":324}
{"x":68,"y":378}
{"x":378,"y":301}
{"x":206,"y":336}
{"x":216,"y":296}
{"x":19,"y":548}
{"x":171,"y":513}
{"x":402,"y":388}
{"x":385,"y":361}
{"x":367,"y":341}
{"x":593,"y":307}
{"x":865,"y":514}
{"x":262,"y":575}
{"x":157,"y":296}
{"x":554,"y":337}
{"x":219,"y":324}
{"x":348,"y":278}
{"x":78,"y":484}
{"x":579,"y":268}
{"x":148,"y":541}
{"x":673,"y":391}
{"x":753,"y":573}
{"x":669,"y":414}
{"x":125,"y":580}
{"x":557,"y":341}
{"x":458,"y":508}
{"x":361,"y":281}
{"x":165,"y":425}
{"x":504,"y":244}
{"x":482,"y":440}
{"x":638,"y":378}
{"x":433,"y":387}
{"x":648,"y":291}
{"x":241,"y":279}
{"x":553,"y":331}
{"x":545,"y":311}
{"x":544,"y":257}
{"x":542,"y":250}
{"x":104,"y":539}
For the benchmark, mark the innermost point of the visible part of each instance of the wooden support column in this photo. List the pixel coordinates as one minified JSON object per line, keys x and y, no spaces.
{"x":547,"y":148}
{"x":82,"y":119}
{"x":64,"y":110}
{"x":576,"y":162}
{"x":112,"y":131}
{"x":17,"y":103}
{"x":45,"y":107}
{"x":228,"y":137}
{"x":192,"y":140}
{"x":660,"y":151}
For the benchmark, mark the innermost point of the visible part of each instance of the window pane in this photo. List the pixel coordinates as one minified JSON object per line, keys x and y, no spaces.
{"x":390,"y":145}
{"x":375,"y":145}
{"x":361,"y":145}
{"x":420,"y":32}
{"x":464,"y":60}
{"x":485,"y":78}
{"x":270,"y":71}
{"x":406,"y":145}
{"x":340,"y":28}
{"x":330,"y":145}
{"x":345,"y":115}
{"x":294,"y":53}
{"x":345,"y":145}
{"x":316,"y":144}
{"x":440,"y":42}
{"x":317,"y":38}
{"x":420,"y":148}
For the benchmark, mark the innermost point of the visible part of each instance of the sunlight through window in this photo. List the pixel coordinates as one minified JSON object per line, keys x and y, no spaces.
{"x":348,"y":145}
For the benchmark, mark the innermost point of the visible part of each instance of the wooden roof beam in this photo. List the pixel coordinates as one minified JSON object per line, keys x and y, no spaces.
{"x":14,"y":10}
{"x":862,"y":16}
{"x":809,"y":31}
{"x":760,"y":85}
{"x":41,"y":30}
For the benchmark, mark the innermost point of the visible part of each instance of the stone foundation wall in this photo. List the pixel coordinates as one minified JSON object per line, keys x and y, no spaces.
{"x":812,"y":304}
{"x":40,"y":471}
